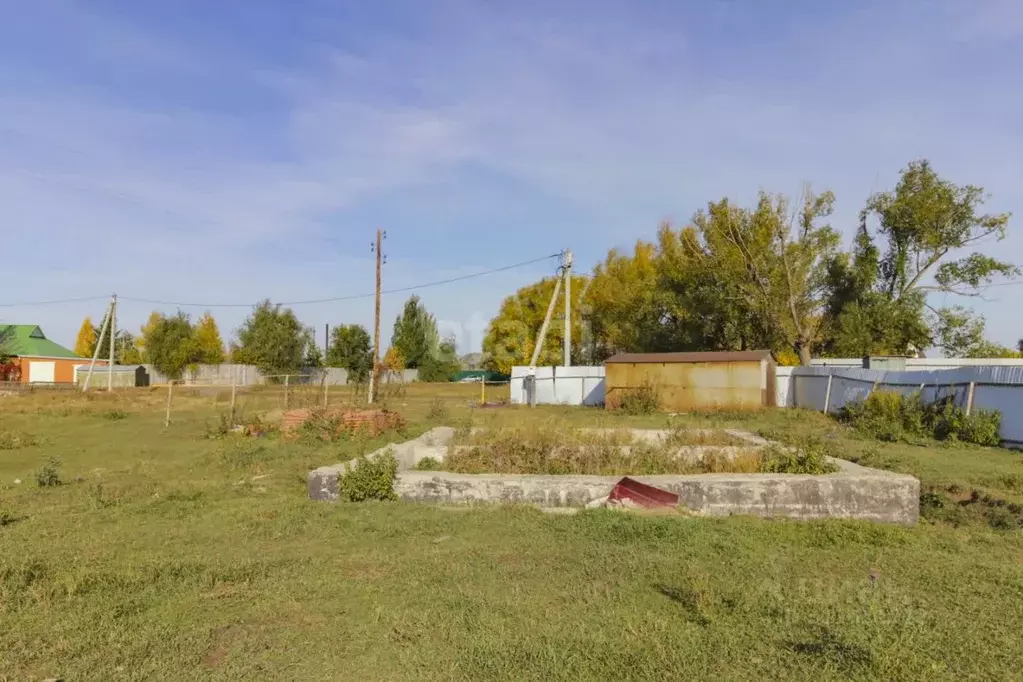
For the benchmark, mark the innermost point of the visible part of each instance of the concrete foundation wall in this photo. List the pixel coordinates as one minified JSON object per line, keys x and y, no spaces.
{"x":852,"y":492}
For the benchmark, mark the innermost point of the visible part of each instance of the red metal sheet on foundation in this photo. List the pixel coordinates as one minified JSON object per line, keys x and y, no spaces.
{"x":642,"y":494}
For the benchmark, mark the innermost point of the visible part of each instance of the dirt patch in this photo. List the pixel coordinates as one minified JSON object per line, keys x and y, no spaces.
{"x":222,"y":640}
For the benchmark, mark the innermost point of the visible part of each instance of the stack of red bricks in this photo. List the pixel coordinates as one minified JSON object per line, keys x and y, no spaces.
{"x":372,"y":421}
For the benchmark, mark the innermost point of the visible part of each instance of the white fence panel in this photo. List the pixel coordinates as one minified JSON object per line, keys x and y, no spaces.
{"x":560,"y":385}
{"x":785,"y":392}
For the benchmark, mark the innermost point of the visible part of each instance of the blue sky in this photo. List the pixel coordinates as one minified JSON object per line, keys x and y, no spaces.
{"x":233,"y":151}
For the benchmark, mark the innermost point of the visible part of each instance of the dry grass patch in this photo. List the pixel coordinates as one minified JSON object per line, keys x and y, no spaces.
{"x":554,"y":448}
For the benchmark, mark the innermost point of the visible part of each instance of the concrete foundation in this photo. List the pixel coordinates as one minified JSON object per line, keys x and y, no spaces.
{"x":853,"y":491}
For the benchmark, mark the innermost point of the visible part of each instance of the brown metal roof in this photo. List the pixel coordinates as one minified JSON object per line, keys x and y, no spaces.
{"x":708,"y":356}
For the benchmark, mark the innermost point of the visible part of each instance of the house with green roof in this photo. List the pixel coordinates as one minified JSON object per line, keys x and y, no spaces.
{"x":33,"y":358}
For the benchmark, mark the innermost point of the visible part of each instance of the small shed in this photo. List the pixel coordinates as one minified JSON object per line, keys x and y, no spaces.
{"x":125,"y":376}
{"x":694,"y":381}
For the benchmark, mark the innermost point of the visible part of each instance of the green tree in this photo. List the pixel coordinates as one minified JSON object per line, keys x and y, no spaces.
{"x":443,"y":365}
{"x":620,"y":308}
{"x":415,"y":333}
{"x":145,"y":332}
{"x":272,"y":339}
{"x":171,"y":346}
{"x":926,"y":221}
{"x":960,"y":334}
{"x":126,"y":350}
{"x":352,"y":349}
{"x":511,"y":335}
{"x":695,"y":306}
{"x":207,"y":337}
{"x":861,"y":319}
{"x":771,"y":262}
{"x":313,"y":355}
{"x":85,"y":342}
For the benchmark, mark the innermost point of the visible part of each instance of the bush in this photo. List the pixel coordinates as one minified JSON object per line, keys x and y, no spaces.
{"x":49,"y":474}
{"x":115,"y":414}
{"x":881,"y":415}
{"x":640,"y":400}
{"x":950,"y":422}
{"x":370,"y":479}
{"x":428,"y":464}
{"x":891,"y":416}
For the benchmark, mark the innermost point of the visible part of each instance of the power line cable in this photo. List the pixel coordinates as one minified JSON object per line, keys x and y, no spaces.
{"x":55,"y":302}
{"x":398,"y":290}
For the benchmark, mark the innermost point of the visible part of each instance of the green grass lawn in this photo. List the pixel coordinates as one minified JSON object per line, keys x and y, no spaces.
{"x":168,"y":555}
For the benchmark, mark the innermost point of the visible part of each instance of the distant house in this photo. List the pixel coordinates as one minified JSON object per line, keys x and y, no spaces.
{"x":34,"y":358}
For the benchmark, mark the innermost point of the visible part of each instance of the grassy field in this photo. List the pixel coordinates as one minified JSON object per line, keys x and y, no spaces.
{"x":165,"y":554}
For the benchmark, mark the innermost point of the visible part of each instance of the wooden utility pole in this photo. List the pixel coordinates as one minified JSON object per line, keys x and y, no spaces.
{"x":546,"y":321}
{"x":113,"y":337}
{"x":376,"y":320}
{"x":566,"y":264}
{"x":99,"y":346}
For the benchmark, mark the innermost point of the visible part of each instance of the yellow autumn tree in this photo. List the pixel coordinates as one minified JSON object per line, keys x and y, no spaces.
{"x":85,"y":343}
{"x":393,"y":360}
{"x":512,"y":334}
{"x":146,"y":333}
{"x":207,"y":337}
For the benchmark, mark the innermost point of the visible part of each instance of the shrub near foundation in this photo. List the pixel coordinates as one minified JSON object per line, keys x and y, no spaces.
{"x":637,"y":401}
{"x":369,"y":479}
{"x":890,"y":416}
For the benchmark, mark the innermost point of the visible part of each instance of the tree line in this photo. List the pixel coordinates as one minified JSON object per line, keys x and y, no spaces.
{"x":273,"y":339}
{"x":775,"y":276}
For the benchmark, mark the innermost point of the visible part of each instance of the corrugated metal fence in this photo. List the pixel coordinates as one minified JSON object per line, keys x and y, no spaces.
{"x":994,"y":388}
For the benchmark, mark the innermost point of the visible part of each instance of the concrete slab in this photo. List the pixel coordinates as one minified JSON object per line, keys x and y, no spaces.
{"x":853,"y":491}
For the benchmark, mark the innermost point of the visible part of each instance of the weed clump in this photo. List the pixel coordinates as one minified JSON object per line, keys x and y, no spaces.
{"x":48,"y":475}
{"x":13,"y":440}
{"x":115,"y":414}
{"x":952,"y":505}
{"x":8,"y":517}
{"x":334,"y":425}
{"x":950,"y":422}
{"x":891,"y":416}
{"x":219,"y":428}
{"x":808,"y":456}
{"x":370,"y":479}
{"x":637,"y":401}
{"x":438,"y":410}
{"x":428,"y":464}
